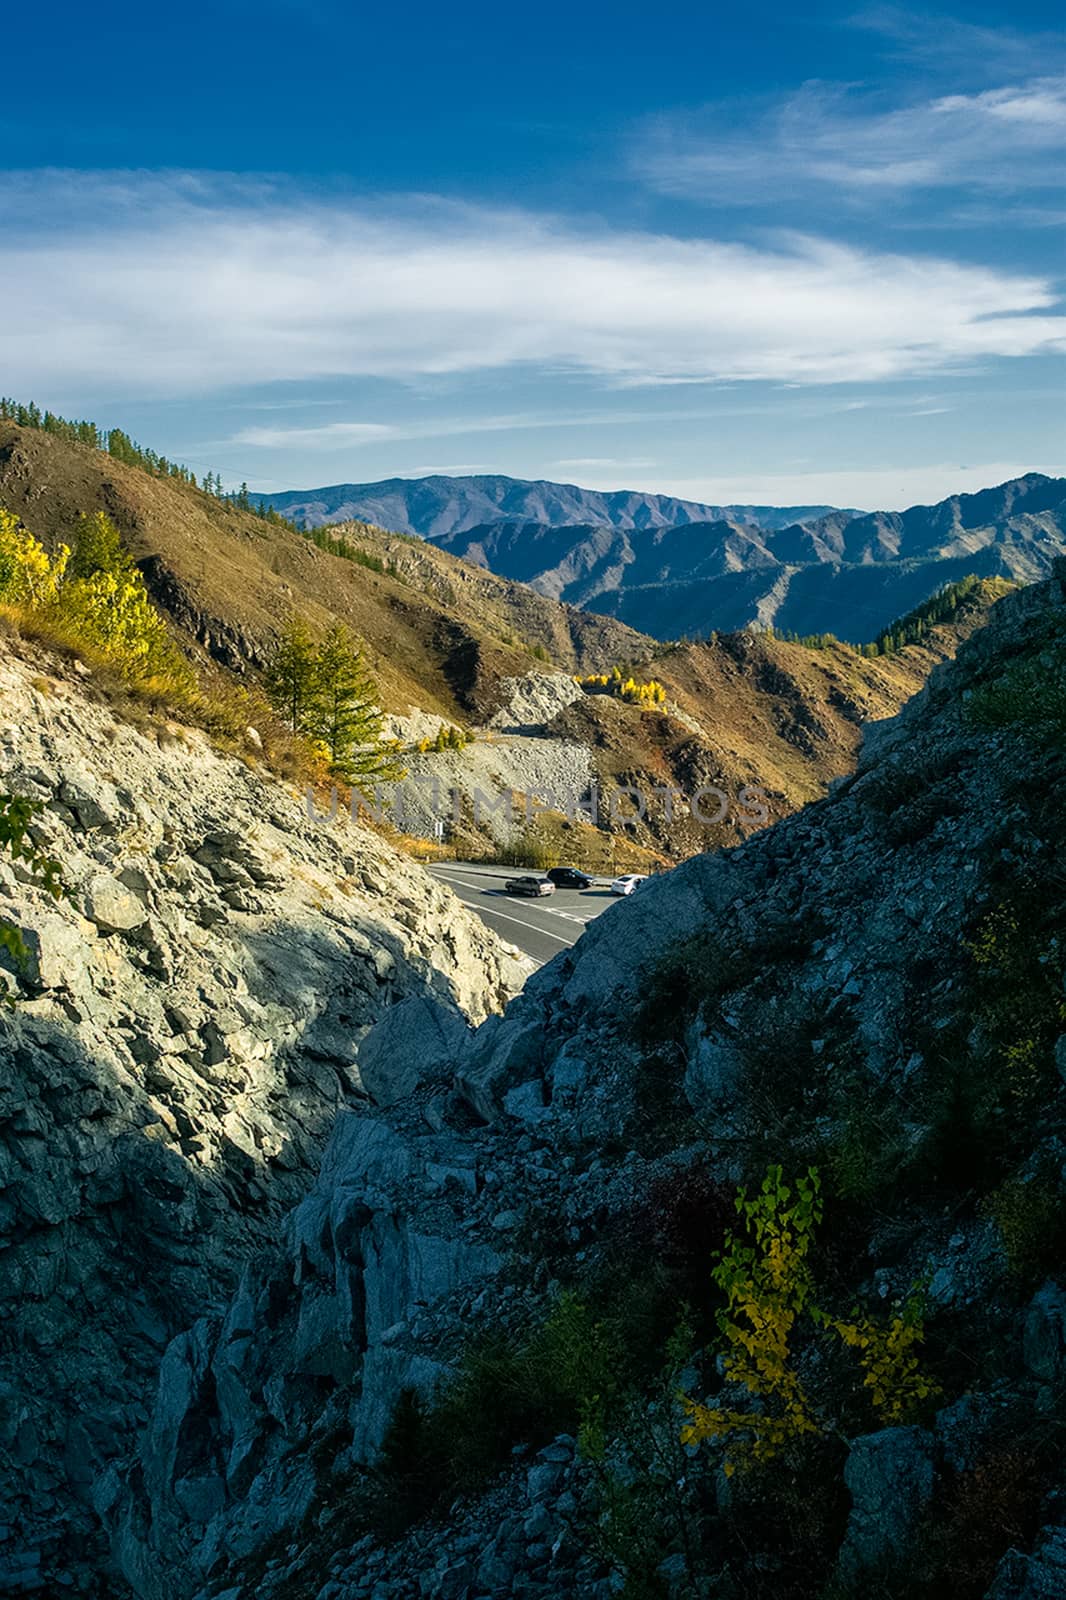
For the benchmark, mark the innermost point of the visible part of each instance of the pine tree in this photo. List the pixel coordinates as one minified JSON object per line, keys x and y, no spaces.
{"x":291,"y":677}
{"x":97,"y":547}
{"x":346,"y":717}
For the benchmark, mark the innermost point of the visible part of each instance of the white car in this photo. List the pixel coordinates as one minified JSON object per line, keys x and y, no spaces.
{"x":628,"y":882}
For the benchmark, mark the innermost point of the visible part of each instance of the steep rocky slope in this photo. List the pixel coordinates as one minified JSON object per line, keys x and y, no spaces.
{"x":874,"y":988}
{"x":185,"y":1034}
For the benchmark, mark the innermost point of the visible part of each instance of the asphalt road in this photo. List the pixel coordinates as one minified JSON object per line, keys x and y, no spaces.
{"x":540,"y":928}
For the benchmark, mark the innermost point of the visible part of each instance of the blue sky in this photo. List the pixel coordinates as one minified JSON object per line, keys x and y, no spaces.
{"x":745,"y":256}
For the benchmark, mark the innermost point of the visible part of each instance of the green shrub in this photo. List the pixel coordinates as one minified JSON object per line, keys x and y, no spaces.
{"x":1031,"y":1220}
{"x":564,"y":1376}
{"x":992,"y":1071}
{"x":1029,"y":695}
{"x":526,"y":851}
{"x":695,"y":972}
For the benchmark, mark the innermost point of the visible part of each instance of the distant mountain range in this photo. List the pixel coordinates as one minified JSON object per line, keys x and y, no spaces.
{"x":439,"y":507}
{"x":673,"y":567}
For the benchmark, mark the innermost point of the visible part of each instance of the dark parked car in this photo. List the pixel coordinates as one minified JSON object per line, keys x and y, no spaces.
{"x":530,"y":886}
{"x":569,"y":878}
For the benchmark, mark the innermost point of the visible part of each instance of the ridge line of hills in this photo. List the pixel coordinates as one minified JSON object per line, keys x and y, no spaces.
{"x":439,"y":505}
{"x":448,"y":640}
{"x":673,"y":568}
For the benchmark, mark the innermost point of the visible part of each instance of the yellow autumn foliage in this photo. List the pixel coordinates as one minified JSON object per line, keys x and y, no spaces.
{"x":650,"y":694}
{"x":95,"y":598}
{"x":887,"y":1353}
{"x":767,"y":1284}
{"x":28,"y":575}
{"x":766,"y":1276}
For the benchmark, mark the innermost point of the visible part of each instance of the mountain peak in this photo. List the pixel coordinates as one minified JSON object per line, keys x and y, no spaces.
{"x":670,"y":567}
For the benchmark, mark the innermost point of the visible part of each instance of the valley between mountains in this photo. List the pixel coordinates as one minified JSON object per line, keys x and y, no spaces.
{"x":673,"y":567}
{"x":343,"y":1256}
{"x":450,"y":643}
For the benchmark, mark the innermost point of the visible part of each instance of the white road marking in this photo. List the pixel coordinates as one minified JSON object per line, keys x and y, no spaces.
{"x":519,"y":921}
{"x":549,"y":911}
{"x":490,"y":911}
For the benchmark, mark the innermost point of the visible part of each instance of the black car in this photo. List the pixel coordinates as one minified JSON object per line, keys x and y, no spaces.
{"x":569,"y":878}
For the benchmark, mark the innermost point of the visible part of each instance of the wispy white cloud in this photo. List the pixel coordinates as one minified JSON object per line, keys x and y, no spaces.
{"x":341,"y":435}
{"x":191,"y":283}
{"x":331,"y":436}
{"x":938,"y":41}
{"x":1009,"y":139}
{"x":594,"y":463}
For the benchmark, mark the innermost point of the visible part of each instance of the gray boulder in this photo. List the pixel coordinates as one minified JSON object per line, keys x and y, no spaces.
{"x":113,"y":907}
{"x":414,"y":1041}
{"x":1045,"y":1333}
{"x":714,"y":1070}
{"x":890,"y":1476}
{"x":1039,"y":1576}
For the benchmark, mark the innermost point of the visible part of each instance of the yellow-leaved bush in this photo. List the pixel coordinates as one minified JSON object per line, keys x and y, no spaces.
{"x":112,"y":611}
{"x":767,"y":1282}
{"x":892,"y":1372}
{"x":93,"y":596}
{"x":28,"y":575}
{"x":766,"y":1276}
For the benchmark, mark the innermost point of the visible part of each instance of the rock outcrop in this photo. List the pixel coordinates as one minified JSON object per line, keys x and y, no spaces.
{"x":186,"y":1033}
{"x":529,"y":703}
{"x":829,"y":963}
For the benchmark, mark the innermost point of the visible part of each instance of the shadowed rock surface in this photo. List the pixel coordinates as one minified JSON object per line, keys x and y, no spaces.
{"x":822,"y":966}
{"x":186,"y":1033}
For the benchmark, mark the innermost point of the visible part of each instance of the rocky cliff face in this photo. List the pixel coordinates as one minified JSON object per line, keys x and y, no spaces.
{"x":751,"y":1005}
{"x":186,"y":1032}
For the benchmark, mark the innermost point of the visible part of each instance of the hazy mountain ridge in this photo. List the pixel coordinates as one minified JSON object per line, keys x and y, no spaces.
{"x":842,"y":573}
{"x":438,"y":506}
{"x":671,"y":568}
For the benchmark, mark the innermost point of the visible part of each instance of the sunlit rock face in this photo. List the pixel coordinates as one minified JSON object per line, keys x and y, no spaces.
{"x":186,"y":1032}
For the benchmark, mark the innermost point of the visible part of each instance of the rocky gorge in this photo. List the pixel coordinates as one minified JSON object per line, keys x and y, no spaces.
{"x":872,"y":989}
